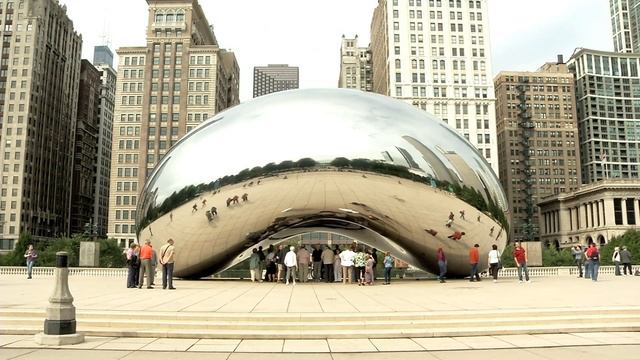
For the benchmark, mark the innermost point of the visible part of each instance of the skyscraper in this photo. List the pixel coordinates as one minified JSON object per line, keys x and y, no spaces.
{"x":102,"y":55}
{"x":355,"y":66}
{"x":86,"y":147}
{"x":537,"y":141}
{"x":435,"y":55}
{"x":273,"y":78}
{"x":625,"y":18}
{"x":39,"y":79}
{"x":105,"y":136}
{"x":165,"y":89}
{"x":608,"y":109}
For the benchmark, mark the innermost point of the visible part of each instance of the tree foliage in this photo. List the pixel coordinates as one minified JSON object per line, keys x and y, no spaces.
{"x":630,"y":239}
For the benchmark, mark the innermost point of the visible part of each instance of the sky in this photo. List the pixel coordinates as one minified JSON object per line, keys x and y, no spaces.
{"x":306,"y":33}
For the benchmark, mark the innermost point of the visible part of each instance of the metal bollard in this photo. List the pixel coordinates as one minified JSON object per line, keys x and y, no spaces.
{"x":60,"y":324}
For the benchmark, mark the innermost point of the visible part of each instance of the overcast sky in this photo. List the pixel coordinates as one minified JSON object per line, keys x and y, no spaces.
{"x":306,"y":33}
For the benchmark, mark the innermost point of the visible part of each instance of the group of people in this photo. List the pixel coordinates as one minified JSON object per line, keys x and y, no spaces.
{"x":349,"y":265}
{"x":589,"y":258}
{"x":142,"y":260}
{"x":493,"y":258}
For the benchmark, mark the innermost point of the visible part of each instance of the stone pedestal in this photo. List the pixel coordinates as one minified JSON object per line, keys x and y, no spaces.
{"x":60,"y":324}
{"x":89,"y":254}
{"x":534,"y":252}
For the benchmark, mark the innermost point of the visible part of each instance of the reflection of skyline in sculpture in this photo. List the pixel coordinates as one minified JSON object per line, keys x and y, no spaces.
{"x":363,"y":181}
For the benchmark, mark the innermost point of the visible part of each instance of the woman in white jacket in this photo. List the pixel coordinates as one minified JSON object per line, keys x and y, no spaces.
{"x":616,"y":260}
{"x":494,"y":262}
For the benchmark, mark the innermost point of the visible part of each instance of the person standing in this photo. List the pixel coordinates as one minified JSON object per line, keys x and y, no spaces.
{"x":282,"y":252}
{"x":254,"y":265}
{"x":291,"y":261}
{"x":167,"y":255}
{"x":261,"y":264}
{"x":133,"y":266}
{"x":327,"y":263}
{"x":587,"y":263}
{"x":520,"y":256}
{"x":31,"y":255}
{"x":374,"y":254}
{"x":474,"y":258}
{"x":304,"y":258}
{"x":271,"y":264}
{"x":494,"y":262}
{"x":146,"y":253}
{"x":388,"y":266}
{"x":346,"y":259}
{"x":594,"y":257}
{"x":578,"y":256}
{"x":625,"y":259}
{"x":316,"y":255}
{"x":616,"y":260}
{"x":154,"y":264}
{"x":360,"y":261}
{"x":368,"y":270}
{"x":337,"y":266}
{"x":442,"y":264}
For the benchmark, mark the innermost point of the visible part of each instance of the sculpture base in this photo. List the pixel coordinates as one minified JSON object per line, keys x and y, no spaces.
{"x":70,"y":339}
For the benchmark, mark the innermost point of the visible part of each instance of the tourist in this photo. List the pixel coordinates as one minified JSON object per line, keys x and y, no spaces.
{"x":254,"y":265}
{"x":457,"y":235}
{"x":327,"y":263}
{"x":594,"y":257}
{"x":587,"y":263}
{"x":31,"y":255}
{"x":133,"y":265}
{"x":474,"y":258}
{"x":442,"y":264}
{"x":146,"y":253}
{"x":346,"y":260}
{"x":360,"y":261}
{"x":625,"y":259}
{"x":374,"y":255}
{"x":578,"y":257}
{"x":616,"y":260}
{"x":388,"y":266}
{"x":282,"y":252}
{"x":494,"y":262}
{"x":304,"y":258}
{"x":520,"y":257}
{"x":154,"y":265}
{"x":316,"y":256}
{"x":261,"y":264}
{"x":337,"y":266}
{"x":167,"y":255}
{"x":368,"y":270}
{"x":270,"y":260}
{"x":291,"y":261}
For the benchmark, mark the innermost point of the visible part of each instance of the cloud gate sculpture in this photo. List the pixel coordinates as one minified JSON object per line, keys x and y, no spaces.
{"x":361,"y":165}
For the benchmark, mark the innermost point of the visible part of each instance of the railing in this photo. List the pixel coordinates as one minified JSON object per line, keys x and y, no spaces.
{"x":122,"y":272}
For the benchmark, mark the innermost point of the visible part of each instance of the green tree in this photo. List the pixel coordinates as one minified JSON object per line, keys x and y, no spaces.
{"x":630,"y":239}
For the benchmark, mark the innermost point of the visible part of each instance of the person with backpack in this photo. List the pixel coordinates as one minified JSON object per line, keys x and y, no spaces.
{"x":133,"y":266}
{"x":593,"y":256}
{"x":578,"y":257}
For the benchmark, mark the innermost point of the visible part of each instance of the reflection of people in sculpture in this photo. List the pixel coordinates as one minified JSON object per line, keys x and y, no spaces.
{"x":457,"y":235}
{"x":194,"y":207}
{"x":491,"y":231}
{"x":245,"y":197}
{"x":234,"y":200}
{"x":462,"y":214}
{"x":170,"y":217}
{"x":209,"y":216}
{"x":478,"y":217}
{"x":204,"y":202}
{"x":228,"y":201}
{"x":214,"y":211}
{"x":431,"y":231}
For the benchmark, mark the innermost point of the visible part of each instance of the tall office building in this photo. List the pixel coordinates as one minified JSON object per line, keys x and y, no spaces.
{"x":625,"y":15}
{"x":537,"y":141}
{"x":39,"y":77}
{"x":608,"y":108}
{"x":105,"y":136}
{"x":102,"y":55}
{"x":165,"y":89}
{"x":435,"y":55}
{"x":273,"y":78}
{"x":355,"y":66}
{"x":85,"y":152}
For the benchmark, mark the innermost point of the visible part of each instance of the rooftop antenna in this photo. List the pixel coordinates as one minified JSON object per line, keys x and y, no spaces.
{"x":104,"y":37}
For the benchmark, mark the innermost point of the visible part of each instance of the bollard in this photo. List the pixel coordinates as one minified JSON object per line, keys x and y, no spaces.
{"x":60,"y":324}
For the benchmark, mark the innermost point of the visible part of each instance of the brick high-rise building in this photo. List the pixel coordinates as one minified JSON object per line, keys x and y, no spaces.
{"x":39,"y":78}
{"x":180,"y":78}
{"x":537,"y":141}
{"x":435,"y":55}
{"x":355,"y":66}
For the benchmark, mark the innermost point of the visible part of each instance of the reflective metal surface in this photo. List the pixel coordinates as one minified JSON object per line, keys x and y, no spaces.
{"x":358,"y":164}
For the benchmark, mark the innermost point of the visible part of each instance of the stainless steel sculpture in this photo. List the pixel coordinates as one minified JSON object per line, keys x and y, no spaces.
{"x":357,"y":164}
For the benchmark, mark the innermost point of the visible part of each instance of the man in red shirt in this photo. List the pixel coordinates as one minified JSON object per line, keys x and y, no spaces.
{"x":520,"y":256}
{"x":146,"y":253}
{"x":474,"y":258}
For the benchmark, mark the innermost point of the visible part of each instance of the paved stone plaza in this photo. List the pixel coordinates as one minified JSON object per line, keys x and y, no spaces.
{"x":109,"y":296}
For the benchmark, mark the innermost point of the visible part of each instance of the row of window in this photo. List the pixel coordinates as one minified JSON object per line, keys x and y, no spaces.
{"x":126,"y":186}
{"x":127,"y":172}
{"x":125,"y":229}
{"x":438,"y":3}
{"x":125,"y":214}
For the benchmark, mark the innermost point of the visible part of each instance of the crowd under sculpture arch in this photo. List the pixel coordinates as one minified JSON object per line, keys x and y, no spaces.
{"x":353,"y":163}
